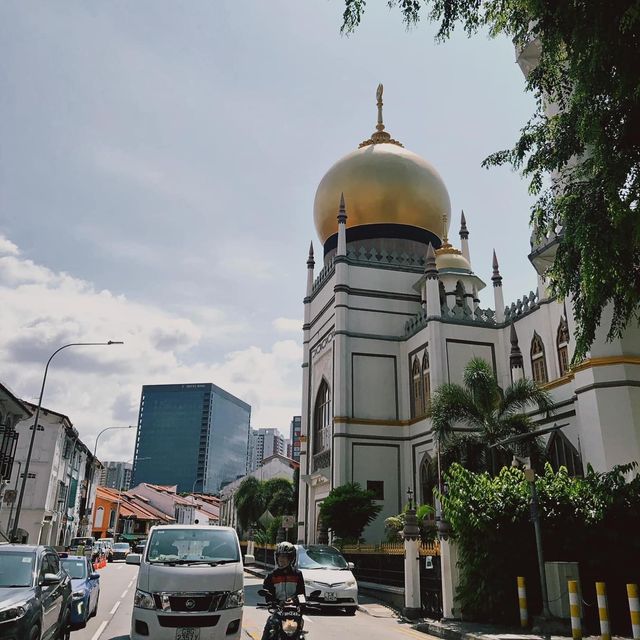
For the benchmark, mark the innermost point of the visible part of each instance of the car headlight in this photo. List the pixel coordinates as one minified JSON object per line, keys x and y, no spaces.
{"x":310,"y":583}
{"x":143,"y":600}
{"x":350,"y":583}
{"x":14,"y":613}
{"x":235,"y":599}
{"x":77,"y":594}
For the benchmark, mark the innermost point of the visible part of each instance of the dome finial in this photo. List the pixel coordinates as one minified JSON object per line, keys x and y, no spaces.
{"x":445,"y":235}
{"x":379,"y":90}
{"x":379,"y":136}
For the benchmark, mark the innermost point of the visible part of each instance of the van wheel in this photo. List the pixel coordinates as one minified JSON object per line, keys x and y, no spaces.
{"x":351,"y":611}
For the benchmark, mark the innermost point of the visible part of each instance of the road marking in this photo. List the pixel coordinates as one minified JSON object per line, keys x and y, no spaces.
{"x":124,"y":593}
{"x":98,"y":633}
{"x":115,"y":608}
{"x":119,"y":567}
{"x":415,"y":634}
{"x":129,"y":585}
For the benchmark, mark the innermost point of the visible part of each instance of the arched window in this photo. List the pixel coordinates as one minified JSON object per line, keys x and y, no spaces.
{"x":562,"y":344}
{"x":442,"y":293}
{"x":428,"y":481}
{"x":322,"y":419}
{"x":112,"y":518}
{"x":418,"y":406}
{"x":562,"y":453}
{"x":426,"y":382}
{"x":99,"y":518}
{"x":538,"y":363}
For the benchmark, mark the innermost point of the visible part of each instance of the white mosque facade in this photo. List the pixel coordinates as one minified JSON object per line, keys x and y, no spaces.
{"x":393,"y":312}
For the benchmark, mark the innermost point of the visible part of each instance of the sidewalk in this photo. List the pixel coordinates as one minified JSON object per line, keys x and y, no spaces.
{"x":446,"y":629}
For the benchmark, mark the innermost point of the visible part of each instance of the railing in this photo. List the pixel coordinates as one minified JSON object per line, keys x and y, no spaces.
{"x":322,"y":460}
{"x":391,"y":548}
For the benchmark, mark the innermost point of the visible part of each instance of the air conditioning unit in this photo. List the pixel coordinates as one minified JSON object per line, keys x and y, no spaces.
{"x":558,"y":576}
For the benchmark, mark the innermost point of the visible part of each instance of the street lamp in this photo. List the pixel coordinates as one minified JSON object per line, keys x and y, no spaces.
{"x":529,"y":473}
{"x":95,"y":449}
{"x":16,"y":522}
{"x":195,"y":482}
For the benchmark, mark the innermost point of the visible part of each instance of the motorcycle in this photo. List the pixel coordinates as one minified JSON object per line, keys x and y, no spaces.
{"x":288,"y":623}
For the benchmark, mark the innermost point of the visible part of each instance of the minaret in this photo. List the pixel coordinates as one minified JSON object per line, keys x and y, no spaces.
{"x":496,"y":278}
{"x":306,"y":360}
{"x":464,"y":238}
{"x":432,"y":283}
{"x":310,"y":265}
{"x":339,"y":448}
{"x":342,"y":228}
{"x":516,"y":363}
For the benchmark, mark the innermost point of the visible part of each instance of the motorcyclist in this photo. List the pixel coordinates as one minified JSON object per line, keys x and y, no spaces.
{"x":285,"y":583}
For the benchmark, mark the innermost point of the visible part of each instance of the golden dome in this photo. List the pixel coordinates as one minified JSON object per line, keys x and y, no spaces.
{"x":383,"y":183}
{"x":448,"y":257}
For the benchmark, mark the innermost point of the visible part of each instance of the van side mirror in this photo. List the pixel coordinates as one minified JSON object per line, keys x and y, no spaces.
{"x":49,"y":579}
{"x":133,"y":558}
{"x":351,"y":565}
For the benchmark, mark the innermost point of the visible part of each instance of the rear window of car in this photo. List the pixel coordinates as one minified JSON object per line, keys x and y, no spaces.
{"x":121,"y":546}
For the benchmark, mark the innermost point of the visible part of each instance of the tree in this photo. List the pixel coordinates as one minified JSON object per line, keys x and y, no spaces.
{"x":488,"y":414}
{"x":250,"y":501}
{"x":589,"y":68}
{"x":348,"y":509}
{"x":279,"y":496}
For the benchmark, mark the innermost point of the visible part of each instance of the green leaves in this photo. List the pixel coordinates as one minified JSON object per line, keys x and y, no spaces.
{"x":490,"y":521}
{"x":348,"y":509}
{"x":588,"y":68}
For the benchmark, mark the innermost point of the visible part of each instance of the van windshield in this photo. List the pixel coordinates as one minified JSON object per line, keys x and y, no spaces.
{"x":192,"y":546}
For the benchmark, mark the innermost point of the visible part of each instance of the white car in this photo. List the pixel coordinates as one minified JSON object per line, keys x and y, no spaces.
{"x":324,"y":569}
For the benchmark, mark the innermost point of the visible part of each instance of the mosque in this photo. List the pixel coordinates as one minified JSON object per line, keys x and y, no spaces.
{"x":394,"y":312}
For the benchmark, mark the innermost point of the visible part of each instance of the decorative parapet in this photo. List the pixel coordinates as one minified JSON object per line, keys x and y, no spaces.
{"x":324,"y":275}
{"x":459,"y":315}
{"x":522,"y":307}
{"x":391,"y":549}
{"x":371,"y":255}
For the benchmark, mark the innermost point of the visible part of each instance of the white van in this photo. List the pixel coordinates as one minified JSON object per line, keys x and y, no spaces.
{"x":190,"y":585}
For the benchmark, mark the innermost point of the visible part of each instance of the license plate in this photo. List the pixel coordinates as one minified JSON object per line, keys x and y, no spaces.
{"x":188,"y":633}
{"x":330,"y":595}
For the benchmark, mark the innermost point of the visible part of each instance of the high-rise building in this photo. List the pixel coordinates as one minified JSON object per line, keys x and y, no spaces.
{"x":116,"y":475}
{"x":194,"y":436}
{"x":294,"y":437}
{"x":262,"y":444}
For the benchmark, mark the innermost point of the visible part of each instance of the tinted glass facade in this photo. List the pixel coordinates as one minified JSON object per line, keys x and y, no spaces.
{"x":190,"y":434}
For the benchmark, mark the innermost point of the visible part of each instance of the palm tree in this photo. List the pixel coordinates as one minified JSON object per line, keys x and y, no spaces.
{"x":469,"y":419}
{"x":249,"y":501}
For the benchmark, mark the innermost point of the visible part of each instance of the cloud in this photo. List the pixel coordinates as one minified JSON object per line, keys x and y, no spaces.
{"x":288,"y":325}
{"x":99,"y":386}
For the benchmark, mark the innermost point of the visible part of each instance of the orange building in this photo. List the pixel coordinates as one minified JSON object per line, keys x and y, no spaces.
{"x":126,"y":512}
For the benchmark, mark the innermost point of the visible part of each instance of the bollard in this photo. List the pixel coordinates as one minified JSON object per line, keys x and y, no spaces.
{"x":522,"y":601}
{"x":574,"y":606}
{"x":603,"y":610}
{"x":634,"y":610}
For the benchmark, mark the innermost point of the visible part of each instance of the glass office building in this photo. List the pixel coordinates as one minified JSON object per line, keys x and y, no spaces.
{"x":192,"y":435}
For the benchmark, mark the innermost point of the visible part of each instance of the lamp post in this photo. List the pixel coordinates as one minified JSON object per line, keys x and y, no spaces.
{"x":195,"y":482}
{"x":530,"y":476}
{"x":16,"y":522}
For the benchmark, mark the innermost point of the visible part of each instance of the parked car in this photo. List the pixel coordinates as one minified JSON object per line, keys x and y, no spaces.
{"x":324,"y":569}
{"x":85,"y":589}
{"x":87,"y":542}
{"x":190,"y":584}
{"x":121,"y":550}
{"x":35,"y":594}
{"x":139,"y":546}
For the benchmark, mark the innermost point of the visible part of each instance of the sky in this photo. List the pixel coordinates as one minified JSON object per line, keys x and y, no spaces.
{"x":158,"y":165}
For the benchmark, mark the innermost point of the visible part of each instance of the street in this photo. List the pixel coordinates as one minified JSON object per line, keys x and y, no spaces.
{"x":117,"y":587}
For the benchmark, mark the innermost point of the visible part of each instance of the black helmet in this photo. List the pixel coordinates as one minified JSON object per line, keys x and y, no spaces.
{"x":287,"y":550}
